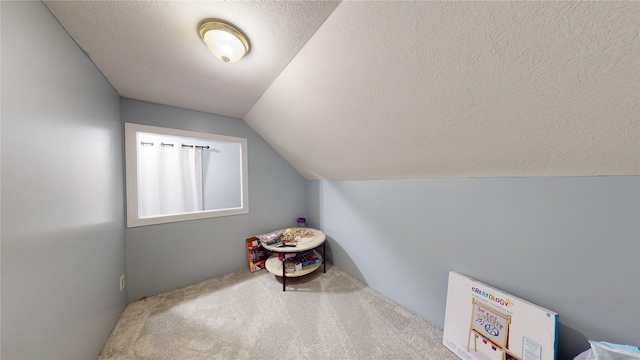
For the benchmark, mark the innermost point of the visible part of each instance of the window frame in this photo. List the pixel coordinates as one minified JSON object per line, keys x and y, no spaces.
{"x":131,"y":131}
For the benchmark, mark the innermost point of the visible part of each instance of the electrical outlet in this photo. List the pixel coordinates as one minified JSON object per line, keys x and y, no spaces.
{"x":121,"y":282}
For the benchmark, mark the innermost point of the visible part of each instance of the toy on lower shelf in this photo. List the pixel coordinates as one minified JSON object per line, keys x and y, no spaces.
{"x":296,"y":261}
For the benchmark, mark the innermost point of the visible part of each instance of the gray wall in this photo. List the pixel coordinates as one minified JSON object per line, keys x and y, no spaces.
{"x":62,"y":208}
{"x":168,"y":256}
{"x":570,"y":244}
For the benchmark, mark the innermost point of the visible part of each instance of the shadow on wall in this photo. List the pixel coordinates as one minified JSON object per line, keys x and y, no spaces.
{"x":336,"y":252}
{"x":571,"y":342}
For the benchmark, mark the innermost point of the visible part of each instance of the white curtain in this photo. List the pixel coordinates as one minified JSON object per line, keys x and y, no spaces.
{"x":169,"y":180}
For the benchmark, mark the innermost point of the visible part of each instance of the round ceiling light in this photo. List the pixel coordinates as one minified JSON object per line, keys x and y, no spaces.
{"x":224,"y":40}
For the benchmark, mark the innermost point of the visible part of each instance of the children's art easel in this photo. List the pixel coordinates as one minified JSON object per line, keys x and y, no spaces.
{"x":490,"y":324}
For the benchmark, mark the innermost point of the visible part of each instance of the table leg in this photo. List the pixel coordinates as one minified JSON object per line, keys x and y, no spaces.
{"x":284,"y":277}
{"x":324,"y":256}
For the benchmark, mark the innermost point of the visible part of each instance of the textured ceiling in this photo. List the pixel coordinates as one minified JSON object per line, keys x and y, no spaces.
{"x":393,"y":89}
{"x":151,"y":50}
{"x":461,"y":89}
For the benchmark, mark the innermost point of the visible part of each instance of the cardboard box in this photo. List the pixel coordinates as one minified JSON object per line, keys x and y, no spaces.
{"x":484,"y":323}
{"x":256,"y":254}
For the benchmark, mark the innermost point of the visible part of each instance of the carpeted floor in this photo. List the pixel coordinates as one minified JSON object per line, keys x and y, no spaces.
{"x":244,"y":315}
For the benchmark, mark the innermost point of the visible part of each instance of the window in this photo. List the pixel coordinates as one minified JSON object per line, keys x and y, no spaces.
{"x":177,"y":175}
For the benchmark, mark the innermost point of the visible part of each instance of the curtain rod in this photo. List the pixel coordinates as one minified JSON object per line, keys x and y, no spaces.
{"x":171,"y":145}
{"x":197,"y":146}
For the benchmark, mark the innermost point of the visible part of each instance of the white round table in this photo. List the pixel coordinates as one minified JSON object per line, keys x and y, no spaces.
{"x":276,"y":266}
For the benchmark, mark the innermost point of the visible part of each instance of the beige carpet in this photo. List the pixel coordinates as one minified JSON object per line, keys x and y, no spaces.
{"x":244,"y":315}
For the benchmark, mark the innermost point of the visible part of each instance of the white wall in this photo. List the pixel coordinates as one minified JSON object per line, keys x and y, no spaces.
{"x":62,"y":207}
{"x":168,"y":256}
{"x":570,"y":244}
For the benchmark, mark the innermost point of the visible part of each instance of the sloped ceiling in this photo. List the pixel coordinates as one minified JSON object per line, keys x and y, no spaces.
{"x":460,"y":89}
{"x":394,"y":89}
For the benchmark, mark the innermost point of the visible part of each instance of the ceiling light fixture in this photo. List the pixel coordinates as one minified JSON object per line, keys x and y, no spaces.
{"x":224,"y":40}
